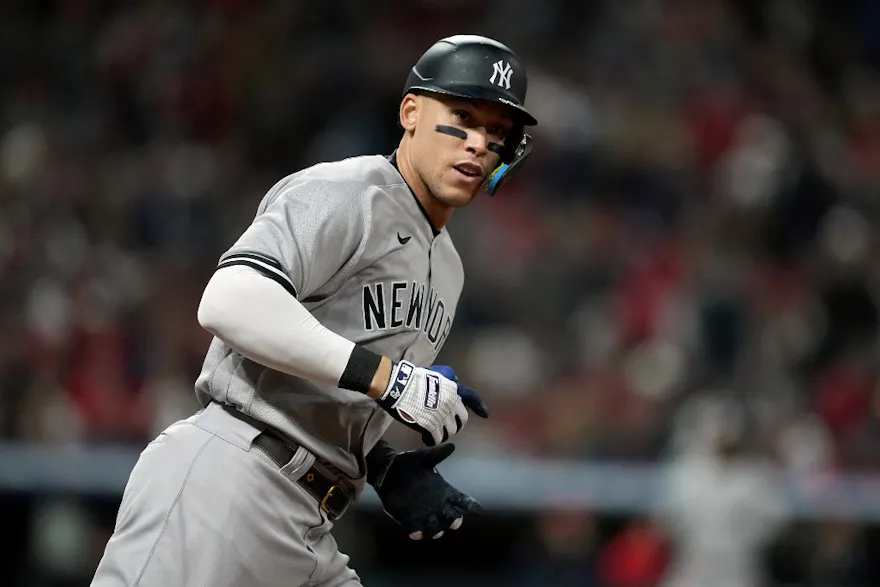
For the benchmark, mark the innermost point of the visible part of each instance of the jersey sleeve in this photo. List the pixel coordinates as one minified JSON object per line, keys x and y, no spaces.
{"x":304,"y":234}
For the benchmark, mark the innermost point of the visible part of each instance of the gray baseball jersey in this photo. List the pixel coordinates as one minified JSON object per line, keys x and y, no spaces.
{"x":351,"y":242}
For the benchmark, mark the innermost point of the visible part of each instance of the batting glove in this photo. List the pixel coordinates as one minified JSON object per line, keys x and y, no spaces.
{"x":428,"y":402}
{"x":418,"y":498}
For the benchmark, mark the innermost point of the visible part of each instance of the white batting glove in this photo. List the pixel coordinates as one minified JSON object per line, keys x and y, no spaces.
{"x":428,"y":402}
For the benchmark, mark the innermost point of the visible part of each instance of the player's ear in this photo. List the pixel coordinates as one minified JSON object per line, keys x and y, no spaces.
{"x":409,"y":108}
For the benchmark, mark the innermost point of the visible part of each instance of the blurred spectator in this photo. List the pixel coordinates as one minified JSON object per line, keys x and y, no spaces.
{"x":564,"y":554}
{"x":635,"y":557}
{"x":722,"y":505}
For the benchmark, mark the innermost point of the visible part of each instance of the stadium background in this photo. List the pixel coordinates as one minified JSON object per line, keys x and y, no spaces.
{"x":675,"y":306}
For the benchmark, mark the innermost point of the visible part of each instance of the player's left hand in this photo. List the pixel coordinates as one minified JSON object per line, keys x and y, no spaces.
{"x":467,"y":395}
{"x":416,"y":496}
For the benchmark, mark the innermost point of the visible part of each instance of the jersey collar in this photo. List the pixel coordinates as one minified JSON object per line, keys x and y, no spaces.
{"x":392,"y":158}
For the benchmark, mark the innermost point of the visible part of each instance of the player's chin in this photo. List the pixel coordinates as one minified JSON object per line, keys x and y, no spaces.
{"x":459,"y":193}
{"x":457,"y":197}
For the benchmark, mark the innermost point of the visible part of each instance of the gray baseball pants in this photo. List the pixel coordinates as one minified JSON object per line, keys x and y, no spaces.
{"x":203,"y":508}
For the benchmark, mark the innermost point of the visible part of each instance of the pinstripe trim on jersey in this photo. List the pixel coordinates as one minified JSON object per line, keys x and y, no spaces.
{"x":265,"y":265}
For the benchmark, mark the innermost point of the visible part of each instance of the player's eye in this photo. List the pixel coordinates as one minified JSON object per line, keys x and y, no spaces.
{"x":463,"y":115}
{"x":498,"y":132}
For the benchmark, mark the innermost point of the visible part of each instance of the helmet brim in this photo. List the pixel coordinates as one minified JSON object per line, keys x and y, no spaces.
{"x":479,"y":93}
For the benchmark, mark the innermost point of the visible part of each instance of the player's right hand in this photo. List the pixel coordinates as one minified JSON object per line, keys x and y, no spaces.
{"x":428,"y":402}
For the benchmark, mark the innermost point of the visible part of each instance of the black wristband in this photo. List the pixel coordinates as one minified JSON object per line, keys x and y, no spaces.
{"x":360,"y":370}
{"x":378,"y":460}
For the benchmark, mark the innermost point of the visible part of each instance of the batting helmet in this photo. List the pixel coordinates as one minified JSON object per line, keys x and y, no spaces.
{"x":479,"y":68}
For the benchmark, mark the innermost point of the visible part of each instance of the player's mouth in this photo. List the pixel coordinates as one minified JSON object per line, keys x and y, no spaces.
{"x":471,"y":171}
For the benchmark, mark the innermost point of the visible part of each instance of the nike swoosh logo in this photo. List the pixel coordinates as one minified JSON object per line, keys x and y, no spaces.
{"x":403,"y":239}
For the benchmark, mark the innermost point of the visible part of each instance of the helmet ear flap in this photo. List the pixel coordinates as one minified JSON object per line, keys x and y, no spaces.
{"x":512,"y":143}
{"x":517,"y":152}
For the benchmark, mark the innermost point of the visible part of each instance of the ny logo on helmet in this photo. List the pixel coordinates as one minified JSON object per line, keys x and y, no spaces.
{"x":503,"y":71}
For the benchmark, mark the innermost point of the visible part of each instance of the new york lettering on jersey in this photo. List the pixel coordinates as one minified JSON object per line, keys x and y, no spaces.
{"x":409,"y":305}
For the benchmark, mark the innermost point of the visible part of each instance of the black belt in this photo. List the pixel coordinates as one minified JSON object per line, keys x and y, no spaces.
{"x":333,"y":498}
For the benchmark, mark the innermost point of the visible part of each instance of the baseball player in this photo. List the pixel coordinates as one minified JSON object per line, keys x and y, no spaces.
{"x":327,"y":315}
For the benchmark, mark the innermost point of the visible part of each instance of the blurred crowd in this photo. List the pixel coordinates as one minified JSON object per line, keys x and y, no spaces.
{"x":693,"y":235}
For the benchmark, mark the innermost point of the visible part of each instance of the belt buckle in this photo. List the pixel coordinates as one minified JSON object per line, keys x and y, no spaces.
{"x":328,"y":495}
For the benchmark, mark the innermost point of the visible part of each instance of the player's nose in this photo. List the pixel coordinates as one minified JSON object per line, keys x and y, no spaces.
{"x":477,"y":141}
